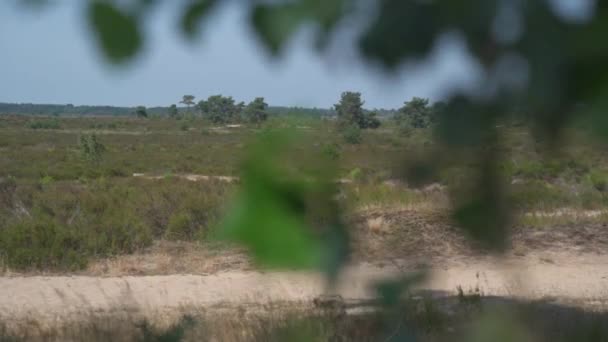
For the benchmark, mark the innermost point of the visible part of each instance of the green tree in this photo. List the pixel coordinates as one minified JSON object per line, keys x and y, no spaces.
{"x":141,"y":112}
{"x":350,"y":110}
{"x":415,"y":113}
{"x":188,"y":100}
{"x":255,"y":112}
{"x":220,"y":109}
{"x":203,"y":107}
{"x":370,"y":120}
{"x":241,"y":107}
{"x":173,"y":112}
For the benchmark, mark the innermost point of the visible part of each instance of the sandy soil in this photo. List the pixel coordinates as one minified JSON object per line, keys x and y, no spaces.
{"x":580,"y":279}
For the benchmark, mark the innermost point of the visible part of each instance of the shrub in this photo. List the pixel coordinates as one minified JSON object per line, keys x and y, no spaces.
{"x":370,"y":120}
{"x":91,"y":149}
{"x":65,"y":224}
{"x":180,"y":227}
{"x":44,"y":124}
{"x":352,"y":134}
{"x":355,"y":174}
{"x":46,"y":180}
{"x":332,"y":151}
{"x":599,"y":180}
{"x":7,"y":191}
{"x":539,"y":195}
{"x":42,"y":243}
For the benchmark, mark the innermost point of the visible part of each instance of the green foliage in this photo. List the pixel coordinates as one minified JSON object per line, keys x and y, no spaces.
{"x":255,"y":112}
{"x":180,"y":227}
{"x":222,"y":110}
{"x":332,"y":151}
{"x":350,"y":110}
{"x":193,"y":14}
{"x":91,"y":149}
{"x":44,"y":124}
{"x":500,"y":327}
{"x":46,"y":180}
{"x":269,"y":216}
{"x":173,"y":112}
{"x":117,"y":33}
{"x":188,"y":100}
{"x":41,"y":244}
{"x":355,"y":174}
{"x":60,"y":233}
{"x":276,"y":23}
{"x":599,"y":180}
{"x":275,"y":209}
{"x":63,"y":225}
{"x":416,"y":114}
{"x":141,"y":112}
{"x":352,"y":134}
{"x":481,"y":207}
{"x":370,"y":120}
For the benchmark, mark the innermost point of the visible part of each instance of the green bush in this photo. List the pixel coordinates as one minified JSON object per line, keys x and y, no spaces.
{"x":41,"y":243}
{"x":599,"y":180}
{"x":91,"y":149}
{"x":68,"y":223}
{"x":331,"y":151}
{"x":180,"y":227}
{"x":352,"y":134}
{"x":44,"y":124}
{"x":46,"y":180}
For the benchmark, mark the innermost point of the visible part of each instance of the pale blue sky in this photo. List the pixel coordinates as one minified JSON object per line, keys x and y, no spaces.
{"x":48,"y":57}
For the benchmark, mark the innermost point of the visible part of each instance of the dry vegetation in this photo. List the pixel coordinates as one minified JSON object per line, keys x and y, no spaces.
{"x":62,"y":214}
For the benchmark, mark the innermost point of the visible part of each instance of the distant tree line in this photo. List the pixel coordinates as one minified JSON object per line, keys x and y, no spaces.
{"x":72,"y":110}
{"x":220,"y":109}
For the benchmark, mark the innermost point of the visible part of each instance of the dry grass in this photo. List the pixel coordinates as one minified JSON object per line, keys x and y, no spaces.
{"x":168,"y":257}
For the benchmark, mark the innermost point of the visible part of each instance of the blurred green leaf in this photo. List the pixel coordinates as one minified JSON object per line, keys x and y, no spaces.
{"x":336,"y":250}
{"x":482,"y":210}
{"x":401,"y":29}
{"x":275,"y":24}
{"x":391,"y":291}
{"x":464,"y":123}
{"x":117,"y":33}
{"x":286,"y":220}
{"x":265,"y":220}
{"x":194,"y":13}
{"x":420,"y":171}
{"x":498,"y":327}
{"x":597,"y":113}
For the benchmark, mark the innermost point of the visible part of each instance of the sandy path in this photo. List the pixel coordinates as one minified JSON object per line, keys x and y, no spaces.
{"x":578,"y":279}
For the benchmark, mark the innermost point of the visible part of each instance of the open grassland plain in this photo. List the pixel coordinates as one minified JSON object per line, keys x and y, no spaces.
{"x":121,"y":244}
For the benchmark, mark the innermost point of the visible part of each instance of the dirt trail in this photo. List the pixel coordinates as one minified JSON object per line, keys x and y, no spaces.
{"x":579,"y":279}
